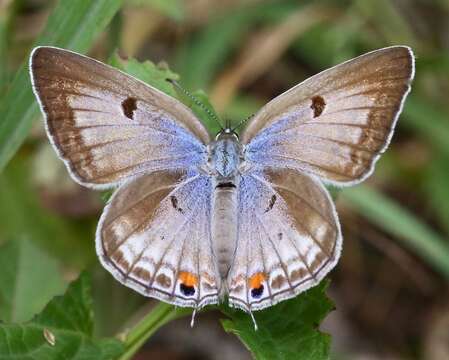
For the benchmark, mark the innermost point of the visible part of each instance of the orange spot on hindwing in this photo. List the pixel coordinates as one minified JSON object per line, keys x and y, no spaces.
{"x":188,"y":282}
{"x":256,"y":280}
{"x":187,"y":278}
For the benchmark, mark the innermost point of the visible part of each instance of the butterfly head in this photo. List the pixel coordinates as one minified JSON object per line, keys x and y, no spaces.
{"x":227,"y":132}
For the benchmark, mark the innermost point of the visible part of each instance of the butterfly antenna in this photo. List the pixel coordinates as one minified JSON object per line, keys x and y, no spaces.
{"x":192,"y":322}
{"x":242,"y":122}
{"x":196,"y":101}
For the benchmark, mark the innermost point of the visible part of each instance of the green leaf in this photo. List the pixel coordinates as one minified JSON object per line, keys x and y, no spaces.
{"x":113,"y":304}
{"x":20,"y":296}
{"x":74,"y":24}
{"x":396,"y":220}
{"x":147,"y":72}
{"x":288,"y":330}
{"x":63,"y":330}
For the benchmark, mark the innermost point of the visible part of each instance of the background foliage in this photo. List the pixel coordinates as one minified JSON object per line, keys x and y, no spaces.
{"x":391,"y":284}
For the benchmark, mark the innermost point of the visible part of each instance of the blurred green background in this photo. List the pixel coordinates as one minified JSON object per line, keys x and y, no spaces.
{"x":391,"y":285}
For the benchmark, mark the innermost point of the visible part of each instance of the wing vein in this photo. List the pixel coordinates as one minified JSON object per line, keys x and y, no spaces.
{"x":308,"y":204}
{"x":175,"y":188}
{"x":276,"y":251}
{"x":137,"y":173}
{"x":300,"y":255}
{"x":173,"y":239}
{"x":312,"y":164}
{"x":262,"y":254}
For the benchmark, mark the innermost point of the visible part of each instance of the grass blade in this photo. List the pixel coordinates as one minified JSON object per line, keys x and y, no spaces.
{"x":199,"y":60}
{"x":74,"y":24}
{"x":429,"y":121}
{"x":437,"y":189}
{"x":391,"y":217}
{"x":5,"y":10}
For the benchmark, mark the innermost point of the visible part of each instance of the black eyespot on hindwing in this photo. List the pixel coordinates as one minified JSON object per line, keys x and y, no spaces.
{"x":257,"y":292}
{"x":187,"y":290}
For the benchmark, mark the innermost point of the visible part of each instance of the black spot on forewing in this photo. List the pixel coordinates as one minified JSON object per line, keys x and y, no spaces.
{"x":129,"y":106}
{"x":174,"y":203}
{"x":271,"y":203}
{"x":318,"y":105}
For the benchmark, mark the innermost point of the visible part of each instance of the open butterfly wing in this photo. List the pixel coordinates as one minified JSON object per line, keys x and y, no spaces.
{"x":288,"y":238}
{"x":154,"y":236}
{"x":336,"y":123}
{"x":108,"y":126}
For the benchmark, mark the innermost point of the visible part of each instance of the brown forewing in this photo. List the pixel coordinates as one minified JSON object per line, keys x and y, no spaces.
{"x":96,"y":116}
{"x":343,"y":117}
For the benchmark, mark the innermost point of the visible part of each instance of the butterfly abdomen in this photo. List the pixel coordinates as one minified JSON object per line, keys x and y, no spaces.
{"x":224,"y":222}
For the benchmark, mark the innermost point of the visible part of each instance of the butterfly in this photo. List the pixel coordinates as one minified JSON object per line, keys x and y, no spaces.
{"x":197,"y":218}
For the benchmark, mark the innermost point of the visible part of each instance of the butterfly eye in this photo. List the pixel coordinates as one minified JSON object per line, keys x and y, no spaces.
{"x":188,"y":282}
{"x":255,"y":282}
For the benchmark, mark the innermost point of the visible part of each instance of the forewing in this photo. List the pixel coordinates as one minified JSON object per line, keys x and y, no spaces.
{"x":288,"y":238}
{"x":336,"y":123}
{"x":154,"y":237}
{"x":108,"y":126}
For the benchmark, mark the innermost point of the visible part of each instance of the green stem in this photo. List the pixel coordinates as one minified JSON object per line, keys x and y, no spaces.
{"x":161,"y":314}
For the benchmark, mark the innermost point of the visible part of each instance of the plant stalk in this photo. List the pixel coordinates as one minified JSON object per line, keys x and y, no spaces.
{"x":161,"y":314}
